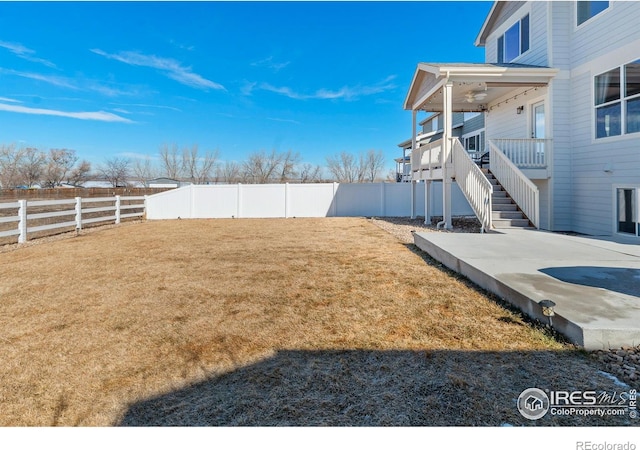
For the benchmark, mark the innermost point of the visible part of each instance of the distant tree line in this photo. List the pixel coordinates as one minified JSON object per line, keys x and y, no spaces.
{"x":29,"y":167}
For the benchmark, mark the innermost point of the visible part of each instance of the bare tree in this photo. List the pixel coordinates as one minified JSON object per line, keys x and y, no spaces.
{"x":10,"y":161}
{"x":229,"y":172}
{"x":80,"y":173}
{"x":32,"y":166}
{"x":143,"y":169}
{"x":59,"y":163}
{"x":346,"y":168}
{"x":310,"y":173}
{"x":374,"y":162}
{"x":288,"y":164}
{"x":115,"y":171}
{"x":171,"y":161}
{"x":261,"y":167}
{"x":196,"y":167}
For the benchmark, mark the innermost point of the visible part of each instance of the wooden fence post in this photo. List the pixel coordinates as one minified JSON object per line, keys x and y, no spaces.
{"x":22,"y":224}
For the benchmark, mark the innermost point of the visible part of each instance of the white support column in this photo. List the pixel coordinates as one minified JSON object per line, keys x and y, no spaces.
{"x":22,"y":224}
{"x":413,"y":199}
{"x":117,"y":209}
{"x":447,"y":169}
{"x":414,"y":115}
{"x":427,"y":202}
{"x":78,"y":213}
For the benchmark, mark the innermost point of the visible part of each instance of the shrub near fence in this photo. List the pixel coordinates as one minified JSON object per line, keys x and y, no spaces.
{"x":25,"y":219}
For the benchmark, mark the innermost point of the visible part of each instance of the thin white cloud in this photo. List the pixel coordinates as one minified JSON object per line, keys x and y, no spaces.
{"x":271,"y":64}
{"x":170,"y":67}
{"x":345,"y":93}
{"x":101,"y":116}
{"x":79,"y":84}
{"x":9,"y":100}
{"x":275,"y":119}
{"x":145,"y":105}
{"x":25,"y":53}
{"x":51,"y":79}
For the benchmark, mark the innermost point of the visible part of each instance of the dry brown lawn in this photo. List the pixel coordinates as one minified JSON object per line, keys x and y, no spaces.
{"x":263,"y":322}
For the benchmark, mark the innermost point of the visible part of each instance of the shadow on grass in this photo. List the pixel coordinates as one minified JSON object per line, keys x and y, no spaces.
{"x":378,"y":388}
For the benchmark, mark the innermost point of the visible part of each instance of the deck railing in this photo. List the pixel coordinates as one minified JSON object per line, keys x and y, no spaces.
{"x":526,"y":153}
{"x":427,"y":156}
{"x":521,"y":189}
{"x":473,"y":183}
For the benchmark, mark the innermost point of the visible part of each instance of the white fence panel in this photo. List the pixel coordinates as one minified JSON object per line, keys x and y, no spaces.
{"x":300,"y":200}
{"x":216,"y":202}
{"x":358,"y":199}
{"x":170,"y":204}
{"x":262,"y":200}
{"x":397,"y":199}
{"x":310,"y":200}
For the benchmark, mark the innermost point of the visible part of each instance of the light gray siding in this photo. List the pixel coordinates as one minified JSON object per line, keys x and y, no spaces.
{"x":559,"y":116}
{"x":617,"y":25}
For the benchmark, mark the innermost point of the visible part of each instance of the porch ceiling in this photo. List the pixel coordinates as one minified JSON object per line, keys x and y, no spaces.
{"x":475,"y":86}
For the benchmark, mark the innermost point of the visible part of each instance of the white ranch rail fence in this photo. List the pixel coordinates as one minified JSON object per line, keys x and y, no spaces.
{"x":300,"y":200}
{"x":109,"y":209}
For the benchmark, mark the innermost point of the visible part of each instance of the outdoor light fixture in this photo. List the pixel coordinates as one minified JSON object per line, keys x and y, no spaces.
{"x":547,"y":309}
{"x":519,"y":109}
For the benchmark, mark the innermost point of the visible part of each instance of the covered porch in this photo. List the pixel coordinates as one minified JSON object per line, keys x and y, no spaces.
{"x":517,"y":153}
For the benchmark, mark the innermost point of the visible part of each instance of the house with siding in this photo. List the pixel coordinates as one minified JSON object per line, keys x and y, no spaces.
{"x":560,"y":93}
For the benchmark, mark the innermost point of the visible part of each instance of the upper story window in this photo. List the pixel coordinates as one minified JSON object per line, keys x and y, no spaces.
{"x":514,"y":42}
{"x":617,"y":101}
{"x":587,"y":10}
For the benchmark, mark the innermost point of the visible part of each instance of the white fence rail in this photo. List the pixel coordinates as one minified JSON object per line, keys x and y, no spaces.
{"x":521,"y":189}
{"x":300,"y":200}
{"x":526,"y":153}
{"x":474,"y":184}
{"x":27,"y":222}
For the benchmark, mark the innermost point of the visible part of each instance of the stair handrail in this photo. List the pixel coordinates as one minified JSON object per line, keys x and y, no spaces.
{"x":521,"y":189}
{"x":475,"y":186}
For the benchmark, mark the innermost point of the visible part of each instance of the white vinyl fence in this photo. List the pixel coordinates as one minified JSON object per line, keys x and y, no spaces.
{"x":51,"y":216}
{"x":300,"y":200}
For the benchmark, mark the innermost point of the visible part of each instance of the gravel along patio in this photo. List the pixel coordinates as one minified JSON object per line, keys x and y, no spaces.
{"x":265,"y":322}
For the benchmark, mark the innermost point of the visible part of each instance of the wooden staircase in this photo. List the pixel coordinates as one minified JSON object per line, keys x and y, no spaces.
{"x":505,"y":212}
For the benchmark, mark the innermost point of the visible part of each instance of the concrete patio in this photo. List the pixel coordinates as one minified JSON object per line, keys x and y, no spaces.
{"x":595,"y":283}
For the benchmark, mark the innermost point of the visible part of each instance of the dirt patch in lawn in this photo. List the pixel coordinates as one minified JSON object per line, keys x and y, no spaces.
{"x":263,"y":322}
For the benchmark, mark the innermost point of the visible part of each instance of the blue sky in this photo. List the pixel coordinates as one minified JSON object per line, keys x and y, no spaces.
{"x":121,"y":79}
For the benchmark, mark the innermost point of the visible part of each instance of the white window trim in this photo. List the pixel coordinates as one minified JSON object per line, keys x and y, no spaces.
{"x":577,"y":27}
{"x":499,"y":31}
{"x":623,"y":111}
{"x":502,"y":35}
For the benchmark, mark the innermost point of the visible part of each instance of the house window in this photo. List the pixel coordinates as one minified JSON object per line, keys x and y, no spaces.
{"x":587,"y":10}
{"x":474,"y":143}
{"x":627,"y":215}
{"x":617,"y":101}
{"x":514,"y":42}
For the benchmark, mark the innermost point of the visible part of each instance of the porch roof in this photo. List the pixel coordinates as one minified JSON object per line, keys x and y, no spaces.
{"x":475,"y":85}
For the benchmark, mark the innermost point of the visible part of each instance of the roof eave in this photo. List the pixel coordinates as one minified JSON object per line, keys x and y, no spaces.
{"x":481,"y":39}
